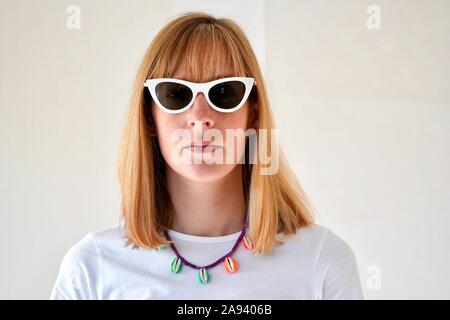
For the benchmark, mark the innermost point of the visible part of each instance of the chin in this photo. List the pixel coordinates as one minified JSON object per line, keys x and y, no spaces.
{"x":205,"y":173}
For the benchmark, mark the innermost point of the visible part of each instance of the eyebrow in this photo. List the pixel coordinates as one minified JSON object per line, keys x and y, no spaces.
{"x":217,"y":77}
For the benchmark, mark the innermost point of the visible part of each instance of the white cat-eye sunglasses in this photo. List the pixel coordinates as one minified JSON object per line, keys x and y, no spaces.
{"x":223,"y":95}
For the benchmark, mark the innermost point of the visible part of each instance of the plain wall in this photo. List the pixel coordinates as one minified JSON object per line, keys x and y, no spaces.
{"x":364,"y":119}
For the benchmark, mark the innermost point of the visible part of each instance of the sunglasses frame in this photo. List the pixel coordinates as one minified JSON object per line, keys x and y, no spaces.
{"x":197,"y":87}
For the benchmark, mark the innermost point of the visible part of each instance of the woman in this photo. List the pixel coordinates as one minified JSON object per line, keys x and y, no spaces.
{"x":194,"y":226}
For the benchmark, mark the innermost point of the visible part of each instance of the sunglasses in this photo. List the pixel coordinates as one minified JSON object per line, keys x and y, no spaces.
{"x":223,"y":95}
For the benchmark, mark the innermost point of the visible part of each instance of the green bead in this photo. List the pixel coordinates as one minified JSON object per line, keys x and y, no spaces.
{"x":203,"y":276}
{"x":176,"y":265}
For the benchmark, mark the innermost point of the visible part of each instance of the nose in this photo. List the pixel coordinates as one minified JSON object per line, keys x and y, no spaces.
{"x":200,"y":113}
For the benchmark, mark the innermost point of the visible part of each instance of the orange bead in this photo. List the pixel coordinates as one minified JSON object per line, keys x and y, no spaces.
{"x":230,"y":264}
{"x":247,"y":242}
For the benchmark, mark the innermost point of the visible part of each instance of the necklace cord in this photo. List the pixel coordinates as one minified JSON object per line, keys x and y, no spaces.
{"x":215,"y":263}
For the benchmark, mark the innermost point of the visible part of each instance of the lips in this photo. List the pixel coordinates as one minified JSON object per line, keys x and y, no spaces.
{"x":201,"y":146}
{"x":193,"y":144}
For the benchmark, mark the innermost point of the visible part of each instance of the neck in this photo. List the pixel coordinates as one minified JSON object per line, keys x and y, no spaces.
{"x":210,"y":209}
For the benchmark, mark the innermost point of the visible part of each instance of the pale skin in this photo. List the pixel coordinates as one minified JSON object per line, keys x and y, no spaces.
{"x":208,"y":199}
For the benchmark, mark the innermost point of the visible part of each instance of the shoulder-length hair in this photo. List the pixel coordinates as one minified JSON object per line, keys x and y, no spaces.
{"x":275,"y":203}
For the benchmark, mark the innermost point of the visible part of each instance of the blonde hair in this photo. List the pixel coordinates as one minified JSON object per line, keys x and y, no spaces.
{"x":275,"y":203}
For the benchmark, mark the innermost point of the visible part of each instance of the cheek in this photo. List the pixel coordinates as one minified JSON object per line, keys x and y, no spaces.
{"x":165,"y":125}
{"x":238,"y":119}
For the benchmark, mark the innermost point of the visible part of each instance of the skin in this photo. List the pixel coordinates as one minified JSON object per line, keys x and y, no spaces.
{"x":208,"y":199}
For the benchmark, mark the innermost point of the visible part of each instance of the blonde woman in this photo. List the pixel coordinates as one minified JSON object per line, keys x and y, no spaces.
{"x":193,"y":226}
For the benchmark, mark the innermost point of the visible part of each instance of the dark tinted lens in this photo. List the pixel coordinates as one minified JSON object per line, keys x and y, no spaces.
{"x":173,"y":96}
{"x":227,"y":95}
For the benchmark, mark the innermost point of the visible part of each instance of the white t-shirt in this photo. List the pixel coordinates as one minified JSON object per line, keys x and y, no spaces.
{"x":312,"y":264}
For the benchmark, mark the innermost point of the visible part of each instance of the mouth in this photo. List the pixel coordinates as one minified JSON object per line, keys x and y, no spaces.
{"x":202,"y":147}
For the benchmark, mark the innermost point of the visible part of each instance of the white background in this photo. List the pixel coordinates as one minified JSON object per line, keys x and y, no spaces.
{"x":364,"y":118}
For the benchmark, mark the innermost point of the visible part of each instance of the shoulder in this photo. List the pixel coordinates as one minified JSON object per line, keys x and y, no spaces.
{"x":334,"y":248}
{"x":80,"y":273}
{"x":91,"y":244}
{"x":311,"y":238}
{"x":109,"y":236}
{"x":336,"y":271}
{"x":323,"y":241}
{"x":334,"y":268}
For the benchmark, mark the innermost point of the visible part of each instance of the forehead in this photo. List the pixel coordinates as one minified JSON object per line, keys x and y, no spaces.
{"x":204,"y":71}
